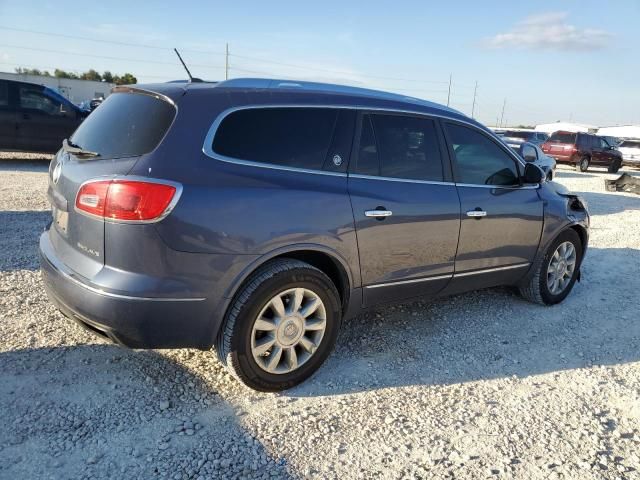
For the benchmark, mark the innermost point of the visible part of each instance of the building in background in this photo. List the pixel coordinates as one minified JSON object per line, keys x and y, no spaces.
{"x":622,"y":131}
{"x":75,"y":90}
{"x":565,"y":127}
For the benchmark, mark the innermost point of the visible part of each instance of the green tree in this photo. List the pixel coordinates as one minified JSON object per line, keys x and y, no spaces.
{"x":125,"y":79}
{"x":107,"y":76}
{"x":63,"y":74}
{"x":91,"y":75}
{"x":32,"y":71}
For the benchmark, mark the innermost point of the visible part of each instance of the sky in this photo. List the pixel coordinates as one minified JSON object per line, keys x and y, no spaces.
{"x":544,"y":61}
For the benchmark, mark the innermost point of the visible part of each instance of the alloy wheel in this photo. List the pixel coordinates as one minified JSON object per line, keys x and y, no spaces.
{"x":561,"y":268}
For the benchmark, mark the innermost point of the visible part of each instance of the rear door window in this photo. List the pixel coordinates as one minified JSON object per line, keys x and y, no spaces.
{"x":125,"y":125}
{"x":399,"y":146}
{"x":479,"y":160}
{"x":289,"y":136}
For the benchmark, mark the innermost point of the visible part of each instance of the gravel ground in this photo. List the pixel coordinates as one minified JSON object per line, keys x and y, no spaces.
{"x":481,"y":385}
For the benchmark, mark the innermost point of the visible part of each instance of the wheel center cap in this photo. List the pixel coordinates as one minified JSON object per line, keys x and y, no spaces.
{"x":290,"y":331}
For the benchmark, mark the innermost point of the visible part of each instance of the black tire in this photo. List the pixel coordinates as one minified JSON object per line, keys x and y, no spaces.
{"x":536,"y":290}
{"x":613,"y":168}
{"x":234,"y":339}
{"x":583,"y":164}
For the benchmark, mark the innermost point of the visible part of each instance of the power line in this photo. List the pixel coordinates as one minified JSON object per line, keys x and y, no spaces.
{"x":137,"y":60}
{"x":113,"y":42}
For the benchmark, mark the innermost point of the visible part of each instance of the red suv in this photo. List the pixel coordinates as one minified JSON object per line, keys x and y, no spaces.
{"x":582,"y":150}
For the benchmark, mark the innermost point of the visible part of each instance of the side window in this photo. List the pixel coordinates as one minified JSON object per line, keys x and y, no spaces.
{"x":4,"y":94}
{"x":407,"y":147}
{"x":529,"y":153}
{"x":291,"y":137}
{"x":603,"y":143}
{"x":34,"y":99}
{"x":478,"y":160}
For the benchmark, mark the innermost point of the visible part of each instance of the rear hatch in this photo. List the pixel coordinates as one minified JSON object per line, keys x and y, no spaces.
{"x":126,"y":126}
{"x":560,"y":143}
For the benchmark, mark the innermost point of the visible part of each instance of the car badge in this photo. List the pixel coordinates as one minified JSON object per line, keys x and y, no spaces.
{"x":337,"y":160}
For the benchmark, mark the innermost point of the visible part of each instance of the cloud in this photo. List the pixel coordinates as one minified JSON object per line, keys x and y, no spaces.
{"x":550,"y":31}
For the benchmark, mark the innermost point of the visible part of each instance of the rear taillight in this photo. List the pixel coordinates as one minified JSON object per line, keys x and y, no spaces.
{"x":126,"y":200}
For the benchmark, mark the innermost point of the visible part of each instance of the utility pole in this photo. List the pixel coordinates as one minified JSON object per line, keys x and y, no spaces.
{"x":226,"y":64}
{"x":473,"y":108}
{"x":449,"y":94}
{"x":504,"y":104}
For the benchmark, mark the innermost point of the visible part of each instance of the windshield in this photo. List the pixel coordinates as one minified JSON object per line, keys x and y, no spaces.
{"x":125,"y":125}
{"x":563,"y":137}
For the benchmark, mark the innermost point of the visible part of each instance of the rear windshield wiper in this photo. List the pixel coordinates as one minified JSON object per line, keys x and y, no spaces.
{"x":77,"y":150}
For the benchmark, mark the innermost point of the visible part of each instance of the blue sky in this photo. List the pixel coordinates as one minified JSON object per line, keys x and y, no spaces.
{"x":551,"y":61}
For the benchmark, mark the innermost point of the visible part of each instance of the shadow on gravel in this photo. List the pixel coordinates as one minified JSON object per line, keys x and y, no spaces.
{"x":19,"y":235}
{"x":25,"y":164}
{"x":101,"y":411}
{"x":490,"y":334}
{"x":610,"y":202}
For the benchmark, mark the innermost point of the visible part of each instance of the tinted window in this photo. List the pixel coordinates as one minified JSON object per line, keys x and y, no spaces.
{"x":292,"y":137}
{"x":34,"y":99}
{"x":367,"y":163}
{"x":479,"y":161}
{"x":399,"y":147}
{"x":563,"y":137}
{"x":630,"y":144}
{"x":4,"y":94}
{"x":518,"y":134}
{"x":529,"y":151}
{"x":126,"y":124}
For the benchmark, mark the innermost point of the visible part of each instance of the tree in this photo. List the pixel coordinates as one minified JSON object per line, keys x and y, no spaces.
{"x":91,"y":75}
{"x":125,"y":79}
{"x":107,"y":76}
{"x":32,"y":71}
{"x":62,"y":74}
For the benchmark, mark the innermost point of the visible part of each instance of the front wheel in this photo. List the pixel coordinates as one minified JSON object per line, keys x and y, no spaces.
{"x":613,"y":168}
{"x":281,"y":326}
{"x":556,"y":271}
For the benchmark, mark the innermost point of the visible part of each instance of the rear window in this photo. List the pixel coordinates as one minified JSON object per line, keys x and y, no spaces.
{"x":125,"y":125}
{"x":563,"y":137}
{"x":291,"y":137}
{"x":516,"y":134}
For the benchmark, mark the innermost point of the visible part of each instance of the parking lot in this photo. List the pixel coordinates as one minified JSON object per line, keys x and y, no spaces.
{"x":480,"y":385}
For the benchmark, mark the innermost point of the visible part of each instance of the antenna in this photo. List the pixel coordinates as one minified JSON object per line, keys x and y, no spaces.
{"x":191,"y":79}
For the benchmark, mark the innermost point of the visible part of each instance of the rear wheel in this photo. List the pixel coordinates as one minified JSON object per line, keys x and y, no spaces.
{"x":281,"y":326}
{"x":583,"y":164}
{"x":556,"y":271}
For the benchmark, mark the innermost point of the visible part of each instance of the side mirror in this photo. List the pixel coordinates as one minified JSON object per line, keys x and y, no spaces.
{"x":532,"y":174}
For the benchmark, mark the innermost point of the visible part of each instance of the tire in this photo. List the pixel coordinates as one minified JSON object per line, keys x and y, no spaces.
{"x":537,"y":289}
{"x":236,"y":337}
{"x":583,"y":164}
{"x":613,"y":168}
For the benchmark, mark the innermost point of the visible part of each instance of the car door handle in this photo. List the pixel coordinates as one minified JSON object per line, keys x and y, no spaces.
{"x":378,"y":213}
{"x":26,"y":116}
{"x":476,"y":213}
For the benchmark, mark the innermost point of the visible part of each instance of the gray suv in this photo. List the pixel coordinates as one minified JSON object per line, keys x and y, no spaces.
{"x":254,"y":216}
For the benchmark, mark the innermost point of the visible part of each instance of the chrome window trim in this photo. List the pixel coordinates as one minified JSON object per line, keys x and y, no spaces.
{"x":414,"y":280}
{"x":137,"y":178}
{"x":393,"y":179}
{"x":489,"y":270}
{"x":207,"y":147}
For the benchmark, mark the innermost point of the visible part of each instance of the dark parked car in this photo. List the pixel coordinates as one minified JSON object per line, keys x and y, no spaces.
{"x":515,"y":138}
{"x":582,"y":150}
{"x":35,"y":118}
{"x":256,"y":215}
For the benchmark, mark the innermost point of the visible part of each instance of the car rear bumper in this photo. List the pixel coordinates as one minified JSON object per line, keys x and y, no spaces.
{"x":130,"y":320}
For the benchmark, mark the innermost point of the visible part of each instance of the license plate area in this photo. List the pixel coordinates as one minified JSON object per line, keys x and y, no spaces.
{"x":60,"y":220}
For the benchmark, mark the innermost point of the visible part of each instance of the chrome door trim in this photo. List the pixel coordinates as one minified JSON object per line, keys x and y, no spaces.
{"x":207,"y":147}
{"x":510,"y":187}
{"x":489,"y":270}
{"x":415,"y":280}
{"x":476,"y":213}
{"x":378,"y":213}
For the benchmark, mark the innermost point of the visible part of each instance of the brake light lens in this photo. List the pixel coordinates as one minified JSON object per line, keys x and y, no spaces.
{"x":125,"y":200}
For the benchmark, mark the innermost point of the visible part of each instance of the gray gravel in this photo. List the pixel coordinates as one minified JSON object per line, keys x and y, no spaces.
{"x":481,"y":385}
